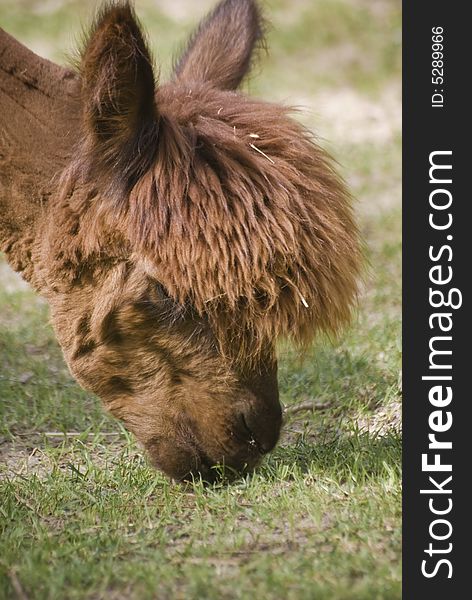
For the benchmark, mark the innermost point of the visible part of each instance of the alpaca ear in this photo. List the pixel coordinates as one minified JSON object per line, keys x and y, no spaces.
{"x":221,"y":50}
{"x":118,"y":93}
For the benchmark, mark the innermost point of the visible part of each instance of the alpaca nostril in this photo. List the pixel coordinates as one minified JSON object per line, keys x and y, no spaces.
{"x":262,"y":430}
{"x":253,"y":441}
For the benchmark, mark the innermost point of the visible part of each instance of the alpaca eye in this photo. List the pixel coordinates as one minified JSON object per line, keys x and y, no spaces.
{"x":161,"y":292}
{"x":166,"y":308}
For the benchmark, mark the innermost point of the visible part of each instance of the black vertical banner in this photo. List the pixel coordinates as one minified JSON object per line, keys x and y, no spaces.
{"x":437,"y":359}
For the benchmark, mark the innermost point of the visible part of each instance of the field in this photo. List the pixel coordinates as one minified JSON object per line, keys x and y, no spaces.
{"x":81,"y":513}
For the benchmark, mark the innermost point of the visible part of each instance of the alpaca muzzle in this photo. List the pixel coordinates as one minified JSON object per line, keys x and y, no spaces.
{"x":228,"y":444}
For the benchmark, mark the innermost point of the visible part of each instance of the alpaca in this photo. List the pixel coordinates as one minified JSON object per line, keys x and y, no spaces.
{"x":177,"y":231}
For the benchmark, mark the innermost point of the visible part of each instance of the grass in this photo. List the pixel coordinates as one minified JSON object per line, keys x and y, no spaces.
{"x":118,"y":526}
{"x":81,"y":513}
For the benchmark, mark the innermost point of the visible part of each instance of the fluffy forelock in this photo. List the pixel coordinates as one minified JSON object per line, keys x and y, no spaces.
{"x":242,"y":216}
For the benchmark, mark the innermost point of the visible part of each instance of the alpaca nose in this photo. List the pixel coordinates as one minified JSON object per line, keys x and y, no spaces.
{"x":261,"y":415}
{"x":263,"y":425}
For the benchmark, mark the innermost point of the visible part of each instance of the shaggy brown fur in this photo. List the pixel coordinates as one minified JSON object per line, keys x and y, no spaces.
{"x":192,"y":227}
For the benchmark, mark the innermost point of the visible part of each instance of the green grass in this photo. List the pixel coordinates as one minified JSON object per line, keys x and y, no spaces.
{"x":81,"y":513}
{"x":117,"y":525}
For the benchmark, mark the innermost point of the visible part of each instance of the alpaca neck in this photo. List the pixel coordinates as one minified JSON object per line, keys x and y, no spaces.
{"x":38,"y":116}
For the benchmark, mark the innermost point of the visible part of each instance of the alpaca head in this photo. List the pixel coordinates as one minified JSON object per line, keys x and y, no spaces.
{"x":192,"y":228}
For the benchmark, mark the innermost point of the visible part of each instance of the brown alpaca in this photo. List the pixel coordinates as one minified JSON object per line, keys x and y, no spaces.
{"x":177,"y":231}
